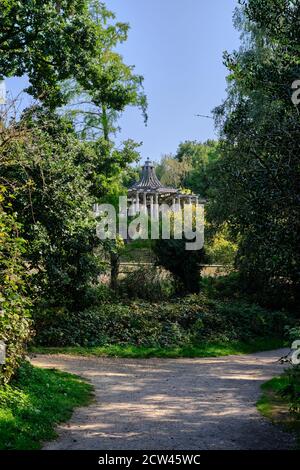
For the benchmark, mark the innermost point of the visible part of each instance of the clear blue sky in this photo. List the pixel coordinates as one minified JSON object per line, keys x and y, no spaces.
{"x":177,"y":45}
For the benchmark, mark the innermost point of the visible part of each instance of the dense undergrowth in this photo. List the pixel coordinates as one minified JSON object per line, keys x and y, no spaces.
{"x":193,"y":320}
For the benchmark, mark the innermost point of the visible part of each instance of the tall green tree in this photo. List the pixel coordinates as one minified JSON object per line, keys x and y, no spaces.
{"x":201,"y":157}
{"x":68,"y":51}
{"x":52,"y":41}
{"x":257,"y":179}
{"x":191,"y":167}
{"x":51,"y":196}
{"x":15,"y":324}
{"x":183,"y":264}
{"x":101,"y":92}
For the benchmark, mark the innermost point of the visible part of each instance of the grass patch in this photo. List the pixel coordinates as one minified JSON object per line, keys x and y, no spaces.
{"x":276,"y":403}
{"x":201,"y":350}
{"x":35,"y":402}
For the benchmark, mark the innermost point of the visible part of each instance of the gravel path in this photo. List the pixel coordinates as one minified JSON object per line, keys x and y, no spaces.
{"x":170,"y":403}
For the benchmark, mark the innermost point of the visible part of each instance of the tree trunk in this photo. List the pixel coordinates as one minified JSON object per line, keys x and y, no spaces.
{"x":114,"y":270}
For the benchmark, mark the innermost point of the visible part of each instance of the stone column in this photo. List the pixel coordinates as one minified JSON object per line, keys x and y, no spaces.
{"x":145,"y":202}
{"x":173,"y":206}
{"x":138,"y":201}
{"x":151,"y":205}
{"x":156,"y":215}
{"x":134,"y":205}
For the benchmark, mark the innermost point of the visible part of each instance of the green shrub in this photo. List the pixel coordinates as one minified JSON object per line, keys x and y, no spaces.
{"x":147,"y":283}
{"x":108,"y":324}
{"x":234,"y":285}
{"x":15,"y":325}
{"x":192,"y":319}
{"x":241,"y":321}
{"x":95,"y":295}
{"x":219,"y":249}
{"x":292,"y":334}
{"x":183,"y":264}
{"x":223,"y":287}
{"x":291,"y":390}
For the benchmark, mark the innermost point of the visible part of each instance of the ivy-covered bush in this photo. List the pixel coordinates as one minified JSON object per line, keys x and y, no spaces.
{"x":52,"y":199}
{"x":15,"y":324}
{"x":192,"y":319}
{"x":147,"y":283}
{"x":293,"y":334}
{"x":183,"y":264}
{"x":290,"y":390}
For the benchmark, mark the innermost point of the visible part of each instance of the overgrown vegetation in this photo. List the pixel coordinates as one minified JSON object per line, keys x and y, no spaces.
{"x":256,"y":180}
{"x":57,"y":157}
{"x":250,"y":177}
{"x":280,"y":400}
{"x":149,"y":283}
{"x":193,"y":320}
{"x":183,"y":264}
{"x":192,"y":169}
{"x":15,"y":324}
{"x":34,"y":403}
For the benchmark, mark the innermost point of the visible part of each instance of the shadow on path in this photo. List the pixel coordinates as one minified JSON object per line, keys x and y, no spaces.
{"x":171,"y":403}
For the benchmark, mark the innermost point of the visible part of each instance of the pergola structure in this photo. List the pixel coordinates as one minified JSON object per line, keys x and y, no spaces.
{"x":149,"y":192}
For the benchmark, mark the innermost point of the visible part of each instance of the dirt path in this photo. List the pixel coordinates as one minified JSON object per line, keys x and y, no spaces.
{"x":171,"y":403}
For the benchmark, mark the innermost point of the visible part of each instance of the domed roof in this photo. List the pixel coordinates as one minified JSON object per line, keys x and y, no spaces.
{"x":149,"y":181}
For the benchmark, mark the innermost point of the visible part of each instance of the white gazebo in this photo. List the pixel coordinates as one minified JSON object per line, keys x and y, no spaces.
{"x":150,"y":193}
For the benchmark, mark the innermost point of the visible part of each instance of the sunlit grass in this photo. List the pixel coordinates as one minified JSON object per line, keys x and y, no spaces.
{"x":275,"y":405}
{"x":200,"y":350}
{"x":34,"y":403}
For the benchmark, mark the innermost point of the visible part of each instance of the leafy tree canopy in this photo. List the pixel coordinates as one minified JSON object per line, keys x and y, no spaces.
{"x":52,"y":41}
{"x":190,"y":167}
{"x":256,"y":184}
